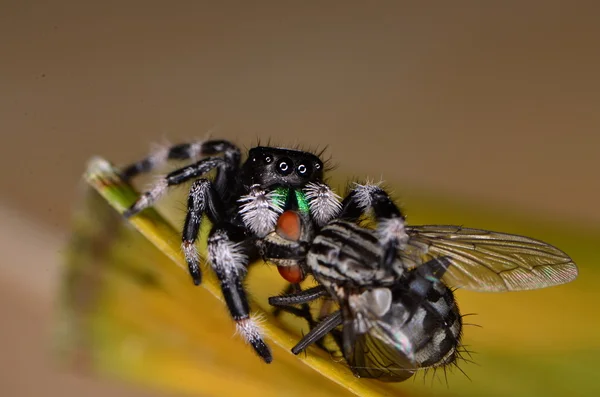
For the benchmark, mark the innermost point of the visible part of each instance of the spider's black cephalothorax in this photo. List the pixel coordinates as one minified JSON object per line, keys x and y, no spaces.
{"x":243,"y":202}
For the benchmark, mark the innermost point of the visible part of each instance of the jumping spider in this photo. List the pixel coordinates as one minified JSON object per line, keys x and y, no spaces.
{"x":243,"y":202}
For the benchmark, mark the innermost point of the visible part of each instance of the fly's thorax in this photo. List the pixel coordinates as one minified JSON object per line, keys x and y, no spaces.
{"x":346,"y":254}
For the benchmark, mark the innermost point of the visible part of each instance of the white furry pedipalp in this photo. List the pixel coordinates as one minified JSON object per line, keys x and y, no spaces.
{"x":323,"y":202}
{"x":260,"y":210}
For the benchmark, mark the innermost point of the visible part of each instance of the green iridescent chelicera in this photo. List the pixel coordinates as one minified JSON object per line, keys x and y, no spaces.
{"x":302,"y":202}
{"x":282,"y":195}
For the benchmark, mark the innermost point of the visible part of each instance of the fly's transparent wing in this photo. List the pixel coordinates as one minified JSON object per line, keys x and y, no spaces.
{"x":379,"y":354}
{"x":482,"y":260}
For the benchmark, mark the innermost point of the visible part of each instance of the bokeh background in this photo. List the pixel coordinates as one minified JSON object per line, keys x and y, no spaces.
{"x":493,"y":102}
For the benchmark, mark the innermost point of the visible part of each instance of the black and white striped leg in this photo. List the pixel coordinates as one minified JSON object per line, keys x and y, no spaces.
{"x":202,"y":199}
{"x":229,"y":261}
{"x":391,"y":226}
{"x":183,"y":151}
{"x":176,"y":177}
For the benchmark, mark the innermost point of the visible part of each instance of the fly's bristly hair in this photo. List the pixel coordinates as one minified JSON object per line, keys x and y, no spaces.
{"x":469,"y":324}
{"x":460,"y":354}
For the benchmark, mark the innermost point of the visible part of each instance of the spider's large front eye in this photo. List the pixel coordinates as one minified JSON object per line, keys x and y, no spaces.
{"x":284,"y":166}
{"x":304,"y":169}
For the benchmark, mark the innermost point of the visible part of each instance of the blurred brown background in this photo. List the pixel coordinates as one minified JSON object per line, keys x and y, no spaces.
{"x":493,"y":101}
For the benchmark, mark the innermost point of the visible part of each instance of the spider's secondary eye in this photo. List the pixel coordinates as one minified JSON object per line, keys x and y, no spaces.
{"x":303,"y":169}
{"x":284,"y":166}
{"x":268,"y":159}
{"x":317,"y":166}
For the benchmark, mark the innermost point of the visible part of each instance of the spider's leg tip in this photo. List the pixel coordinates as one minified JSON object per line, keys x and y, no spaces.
{"x":125,"y":178}
{"x":128,"y":213}
{"x":263,"y":351}
{"x":196,"y":275}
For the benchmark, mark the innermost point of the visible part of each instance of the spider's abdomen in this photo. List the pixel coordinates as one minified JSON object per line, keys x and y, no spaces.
{"x":346,"y":254}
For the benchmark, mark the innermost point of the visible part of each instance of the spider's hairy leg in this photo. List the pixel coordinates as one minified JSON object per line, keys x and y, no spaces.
{"x":229,"y":261}
{"x":176,"y":177}
{"x":203,"y":198}
{"x":183,"y":151}
{"x":391,"y":228}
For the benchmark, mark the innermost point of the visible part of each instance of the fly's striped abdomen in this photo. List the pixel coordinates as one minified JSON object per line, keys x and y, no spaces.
{"x":435,"y":326}
{"x":346,"y":254}
{"x":421,"y":329}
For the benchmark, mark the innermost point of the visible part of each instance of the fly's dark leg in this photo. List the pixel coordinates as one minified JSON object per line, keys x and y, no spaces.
{"x":290,"y":289}
{"x":175,"y":178}
{"x":203,"y":199}
{"x":183,"y":151}
{"x":364,"y":198}
{"x":229,"y":261}
{"x":305,"y":296}
{"x":286,"y":301}
{"x":302,"y":312}
{"x":324,"y":327}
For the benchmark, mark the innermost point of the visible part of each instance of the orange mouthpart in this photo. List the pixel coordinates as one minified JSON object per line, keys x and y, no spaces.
{"x":292,"y":274}
{"x":289,"y":226}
